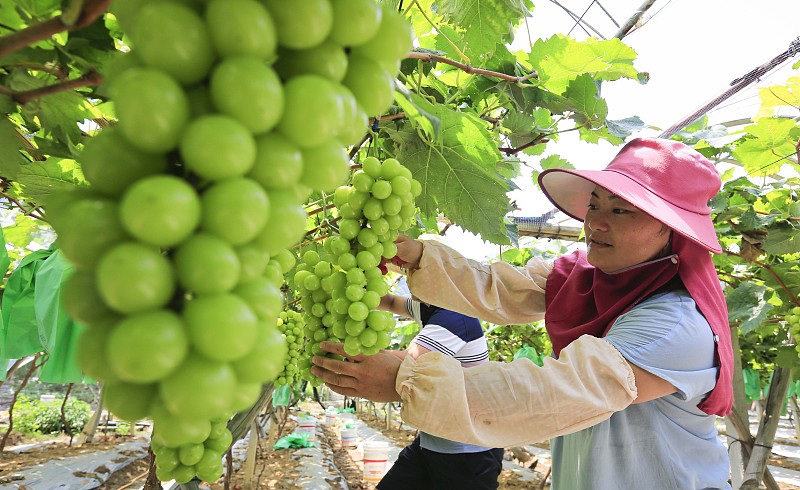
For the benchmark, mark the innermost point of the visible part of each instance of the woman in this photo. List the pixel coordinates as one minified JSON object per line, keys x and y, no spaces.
{"x":638,"y":322}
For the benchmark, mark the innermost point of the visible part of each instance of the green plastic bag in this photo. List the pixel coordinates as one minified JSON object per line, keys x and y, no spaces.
{"x":529,"y":352}
{"x":294,"y":440}
{"x":57,"y":332}
{"x":280,"y":396}
{"x":20,"y":334}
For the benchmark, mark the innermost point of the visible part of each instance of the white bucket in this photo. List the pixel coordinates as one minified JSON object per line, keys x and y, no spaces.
{"x":348,"y":437}
{"x":330,"y":418}
{"x":307,"y":425}
{"x":376,"y":454}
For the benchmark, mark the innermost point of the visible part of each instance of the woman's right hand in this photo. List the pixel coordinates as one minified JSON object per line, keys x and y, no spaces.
{"x":409,"y":250}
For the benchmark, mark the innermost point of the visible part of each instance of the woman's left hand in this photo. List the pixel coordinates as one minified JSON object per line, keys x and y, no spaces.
{"x":371,"y":377}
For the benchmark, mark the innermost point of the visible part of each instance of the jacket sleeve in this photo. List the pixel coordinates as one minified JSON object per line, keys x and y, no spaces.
{"x":508,"y":404}
{"x":499,"y":293}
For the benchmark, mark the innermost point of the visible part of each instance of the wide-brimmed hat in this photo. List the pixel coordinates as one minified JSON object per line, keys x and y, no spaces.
{"x":664,"y":178}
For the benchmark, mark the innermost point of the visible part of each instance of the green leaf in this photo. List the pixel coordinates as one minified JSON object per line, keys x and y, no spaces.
{"x":591,"y":109}
{"x":746,"y":304}
{"x":782,"y":241}
{"x":622,"y":128}
{"x":768,"y":149}
{"x":37,"y":180}
{"x":560,"y":59}
{"x":484,"y":23}
{"x":457,"y":171}
{"x":552,"y":161}
{"x":10,"y":145}
{"x":424,"y":120}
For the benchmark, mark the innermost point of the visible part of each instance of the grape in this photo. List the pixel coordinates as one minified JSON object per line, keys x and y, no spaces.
{"x":206,"y":264}
{"x":241,"y":27}
{"x":160,"y":210}
{"x":278,"y":162}
{"x":146,"y":347}
{"x":371,"y":84}
{"x":313,"y":110}
{"x":328,"y":165}
{"x":235,"y":210}
{"x":301,"y":24}
{"x":133,"y":277}
{"x":173,"y":38}
{"x":111,"y":164}
{"x":248,"y":90}
{"x":152,"y":109}
{"x":222,"y":327}
{"x":328,"y":60}
{"x":355,"y":21}
{"x":218,"y":147}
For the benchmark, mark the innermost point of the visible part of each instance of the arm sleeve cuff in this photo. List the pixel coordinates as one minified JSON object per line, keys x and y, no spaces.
{"x":509,"y":404}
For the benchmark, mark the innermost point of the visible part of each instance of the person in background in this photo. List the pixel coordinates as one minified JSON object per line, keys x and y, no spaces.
{"x":432,"y":462}
{"x":643,"y":362}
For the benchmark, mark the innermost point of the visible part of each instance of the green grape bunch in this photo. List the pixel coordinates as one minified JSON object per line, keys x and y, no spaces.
{"x":340,"y":295}
{"x":793,"y":319}
{"x":292,"y":326}
{"x":231,"y":113}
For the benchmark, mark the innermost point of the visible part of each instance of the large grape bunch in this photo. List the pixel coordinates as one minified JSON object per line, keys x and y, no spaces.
{"x":230,"y":114}
{"x":340,"y":295}
{"x":292,"y":327}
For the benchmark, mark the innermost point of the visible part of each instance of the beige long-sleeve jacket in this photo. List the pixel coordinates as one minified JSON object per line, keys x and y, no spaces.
{"x":505,"y":404}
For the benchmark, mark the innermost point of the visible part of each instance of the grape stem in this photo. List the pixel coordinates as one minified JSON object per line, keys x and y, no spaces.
{"x":430,"y":57}
{"x":92,"y":9}
{"x":89,"y":79}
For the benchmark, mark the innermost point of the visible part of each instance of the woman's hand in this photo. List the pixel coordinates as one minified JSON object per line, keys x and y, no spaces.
{"x":371,"y":377}
{"x":409,"y":250}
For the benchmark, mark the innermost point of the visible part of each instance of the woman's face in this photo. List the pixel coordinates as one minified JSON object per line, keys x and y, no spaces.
{"x":618,"y":235}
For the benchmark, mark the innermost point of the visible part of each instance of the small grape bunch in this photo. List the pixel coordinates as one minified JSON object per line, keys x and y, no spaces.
{"x":292,"y":327}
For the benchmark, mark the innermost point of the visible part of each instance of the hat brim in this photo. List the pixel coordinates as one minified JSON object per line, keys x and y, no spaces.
{"x":570,"y":191}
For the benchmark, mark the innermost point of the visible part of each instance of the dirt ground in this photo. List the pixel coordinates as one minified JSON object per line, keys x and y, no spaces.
{"x":276,"y":469}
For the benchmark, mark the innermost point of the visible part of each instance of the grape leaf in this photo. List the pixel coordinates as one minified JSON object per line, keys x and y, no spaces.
{"x":769,"y":148}
{"x":746,"y":303}
{"x":37,"y":180}
{"x":591,"y":109}
{"x":782,"y":241}
{"x":779,"y":96}
{"x":10,"y":157}
{"x":560,"y":59}
{"x":485,"y":23}
{"x":457,"y":171}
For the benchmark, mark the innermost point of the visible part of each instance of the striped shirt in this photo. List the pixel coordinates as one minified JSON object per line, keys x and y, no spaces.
{"x":455,"y":335}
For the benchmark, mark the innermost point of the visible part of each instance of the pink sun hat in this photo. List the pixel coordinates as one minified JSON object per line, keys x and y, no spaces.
{"x":664,"y":178}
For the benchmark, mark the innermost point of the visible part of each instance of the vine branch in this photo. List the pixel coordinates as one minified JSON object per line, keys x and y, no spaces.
{"x":430,"y":57}
{"x":773,"y":274}
{"x":89,"y":79}
{"x":90,"y":11}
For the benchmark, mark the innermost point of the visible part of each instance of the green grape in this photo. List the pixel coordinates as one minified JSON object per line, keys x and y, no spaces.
{"x":382,"y":189}
{"x":111,"y":164}
{"x":173,"y":38}
{"x":132,"y":277}
{"x":371,"y":84}
{"x":313,"y":111}
{"x":218,"y":147}
{"x":248,"y":90}
{"x":355,"y":21}
{"x":278,"y":162}
{"x":327,"y":165}
{"x":235,"y":210}
{"x":241,"y":27}
{"x":328,"y":60}
{"x":286,"y":222}
{"x":160,"y":210}
{"x":392,"y":41}
{"x":199,"y":389}
{"x":87,"y":228}
{"x":222,"y":327}
{"x":152,"y":109}
{"x":146,"y":347}
{"x":301,"y":24}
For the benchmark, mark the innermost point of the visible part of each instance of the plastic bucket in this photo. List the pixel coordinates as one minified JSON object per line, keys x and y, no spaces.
{"x":330,"y":418}
{"x":348,"y":437}
{"x":376,"y":454}
{"x":307,"y":425}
